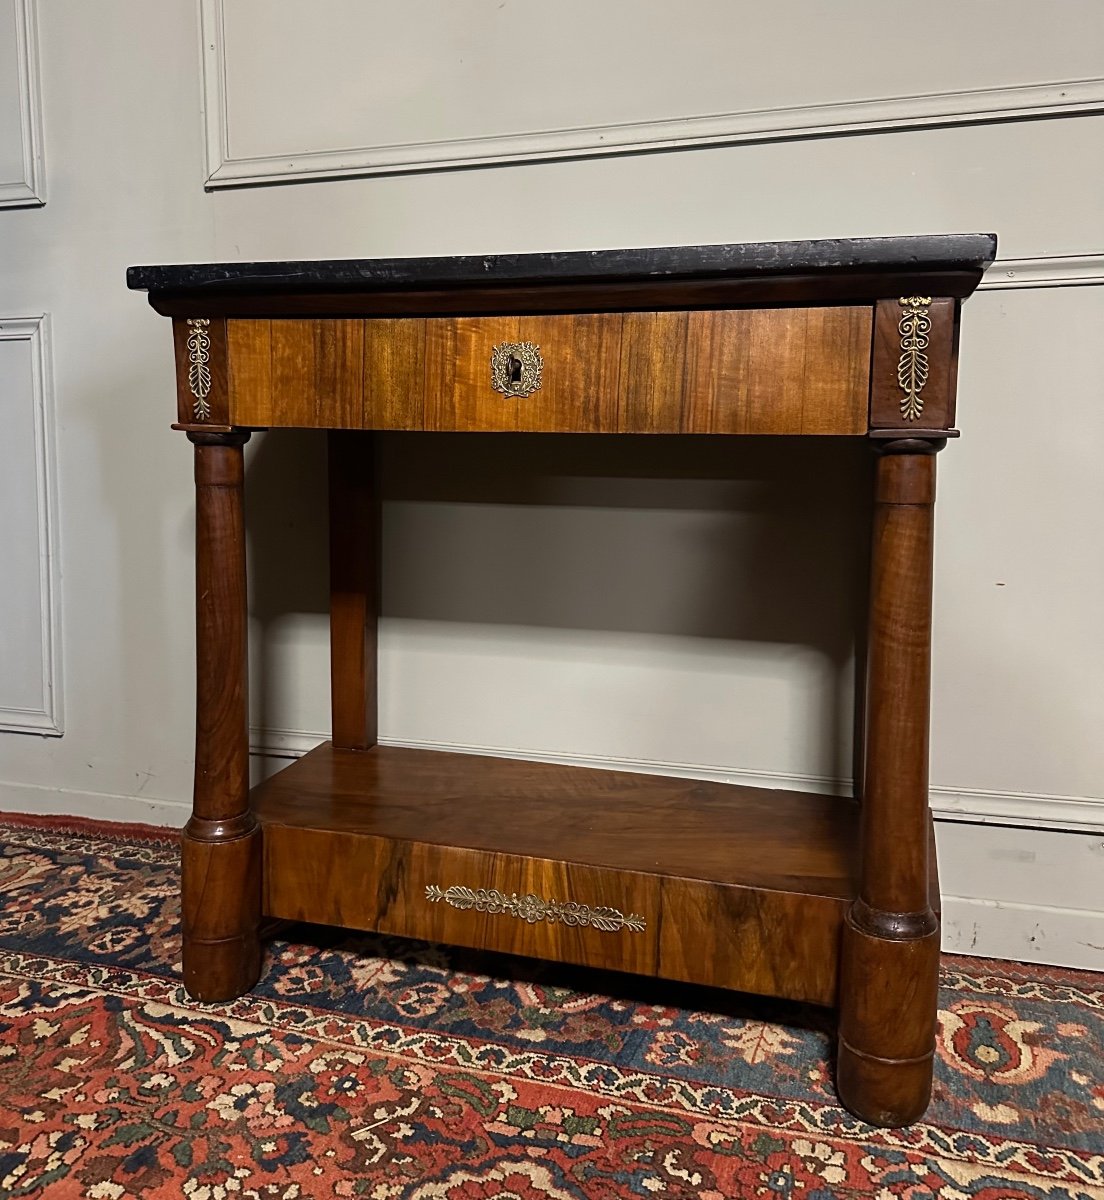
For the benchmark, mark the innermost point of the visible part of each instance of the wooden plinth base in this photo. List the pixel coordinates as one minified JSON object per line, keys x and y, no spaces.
{"x":221,"y":889}
{"x":736,"y":887}
{"x":888,"y":1007}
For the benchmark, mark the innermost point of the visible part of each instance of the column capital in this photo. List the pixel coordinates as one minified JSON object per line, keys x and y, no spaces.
{"x":216,"y":437}
{"x":927,"y":444}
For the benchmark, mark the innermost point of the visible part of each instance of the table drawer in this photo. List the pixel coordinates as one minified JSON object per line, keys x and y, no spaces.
{"x":568,"y":912}
{"x":691,"y":930}
{"x":783,"y":371}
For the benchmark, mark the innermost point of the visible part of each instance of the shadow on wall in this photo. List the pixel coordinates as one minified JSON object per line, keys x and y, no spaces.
{"x":747,"y":540}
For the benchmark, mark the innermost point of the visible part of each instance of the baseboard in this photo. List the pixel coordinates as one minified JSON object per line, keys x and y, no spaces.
{"x":1035,"y":933}
{"x":103,"y":806}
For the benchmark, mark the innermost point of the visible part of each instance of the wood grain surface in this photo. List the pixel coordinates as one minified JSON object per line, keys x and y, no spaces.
{"x":456,"y":375}
{"x":888,"y":1014}
{"x":780,"y":371}
{"x":220,"y":877}
{"x":578,"y":392}
{"x":889,"y":985}
{"x":895,"y":816}
{"x":354,"y":587}
{"x":394,"y":374}
{"x":688,"y":828}
{"x":740,"y":887}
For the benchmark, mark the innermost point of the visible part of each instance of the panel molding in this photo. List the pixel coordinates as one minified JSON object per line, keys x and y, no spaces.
{"x":1031,"y":810}
{"x":48,"y":719}
{"x":1052,"y":270}
{"x":30,"y":190}
{"x":874,"y":115}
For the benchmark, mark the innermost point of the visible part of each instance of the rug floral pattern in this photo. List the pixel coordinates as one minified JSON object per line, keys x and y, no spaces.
{"x":366,"y":1066}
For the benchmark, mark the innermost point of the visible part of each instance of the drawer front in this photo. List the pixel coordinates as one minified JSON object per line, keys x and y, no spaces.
{"x":774,"y":370}
{"x":567,"y":912}
{"x":771,"y":942}
{"x":739,"y":371}
{"x":327,"y":374}
{"x":562,"y":370}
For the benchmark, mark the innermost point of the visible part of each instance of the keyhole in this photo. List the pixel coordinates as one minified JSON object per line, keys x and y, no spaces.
{"x":513,"y":369}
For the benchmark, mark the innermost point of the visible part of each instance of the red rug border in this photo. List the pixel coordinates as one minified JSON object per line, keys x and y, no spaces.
{"x":95,"y":826}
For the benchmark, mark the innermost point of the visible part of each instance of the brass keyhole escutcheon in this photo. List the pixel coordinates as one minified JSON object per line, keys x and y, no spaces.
{"x":516,"y":368}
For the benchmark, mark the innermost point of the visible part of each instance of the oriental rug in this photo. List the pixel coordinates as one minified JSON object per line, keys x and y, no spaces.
{"x":368,"y":1066}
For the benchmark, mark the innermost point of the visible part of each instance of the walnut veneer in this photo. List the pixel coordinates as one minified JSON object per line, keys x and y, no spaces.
{"x":808,"y":897}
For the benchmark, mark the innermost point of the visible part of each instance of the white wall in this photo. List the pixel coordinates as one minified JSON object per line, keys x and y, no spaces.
{"x":626,"y":603}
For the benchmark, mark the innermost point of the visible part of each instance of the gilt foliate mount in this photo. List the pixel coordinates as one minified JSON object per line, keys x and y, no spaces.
{"x":912,"y":367}
{"x":533,"y":909}
{"x":199,"y":366}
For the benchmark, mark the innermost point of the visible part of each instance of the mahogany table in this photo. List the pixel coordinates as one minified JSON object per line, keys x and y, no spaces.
{"x":809,"y":897}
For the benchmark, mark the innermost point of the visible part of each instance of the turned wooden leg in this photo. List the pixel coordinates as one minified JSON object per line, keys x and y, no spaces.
{"x":889,"y":975}
{"x":354,"y":555}
{"x":221,"y":855}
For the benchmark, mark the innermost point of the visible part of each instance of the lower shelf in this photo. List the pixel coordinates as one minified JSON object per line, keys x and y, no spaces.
{"x":736,"y":887}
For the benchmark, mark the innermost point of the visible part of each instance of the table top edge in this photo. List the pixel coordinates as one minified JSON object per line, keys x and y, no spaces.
{"x":910,"y":255}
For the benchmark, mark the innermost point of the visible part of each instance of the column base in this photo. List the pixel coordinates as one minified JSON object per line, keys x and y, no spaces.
{"x":883,"y":1091}
{"x":220,"y":916}
{"x":889,"y":990}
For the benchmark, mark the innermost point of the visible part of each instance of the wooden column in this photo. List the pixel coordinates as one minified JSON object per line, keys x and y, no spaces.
{"x":221,"y":853}
{"x":354,"y":558}
{"x":889,"y":976}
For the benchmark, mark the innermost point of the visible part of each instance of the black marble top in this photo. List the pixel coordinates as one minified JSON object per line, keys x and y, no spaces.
{"x":971,"y":252}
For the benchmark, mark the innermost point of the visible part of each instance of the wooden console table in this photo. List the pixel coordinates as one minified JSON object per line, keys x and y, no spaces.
{"x":786,"y":894}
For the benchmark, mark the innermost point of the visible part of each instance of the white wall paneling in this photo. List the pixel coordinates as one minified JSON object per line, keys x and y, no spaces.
{"x":1056,"y":270}
{"x":971,"y":177}
{"x":22,"y":177}
{"x":484,"y":83}
{"x":30,"y":657}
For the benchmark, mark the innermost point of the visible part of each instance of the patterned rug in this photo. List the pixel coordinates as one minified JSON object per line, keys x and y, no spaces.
{"x":365,"y":1066}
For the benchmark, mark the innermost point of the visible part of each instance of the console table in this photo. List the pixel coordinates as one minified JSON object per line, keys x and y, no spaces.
{"x":787,"y":894}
